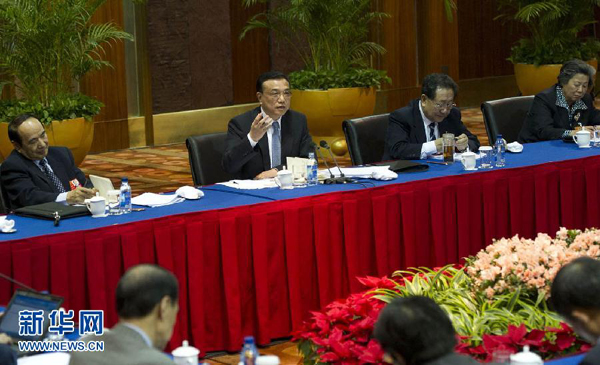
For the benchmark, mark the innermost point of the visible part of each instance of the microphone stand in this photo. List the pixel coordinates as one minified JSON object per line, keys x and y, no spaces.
{"x":341,"y":179}
{"x":331,"y":179}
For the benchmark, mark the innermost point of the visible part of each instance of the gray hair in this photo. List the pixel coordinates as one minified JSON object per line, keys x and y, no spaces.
{"x":574,"y":67}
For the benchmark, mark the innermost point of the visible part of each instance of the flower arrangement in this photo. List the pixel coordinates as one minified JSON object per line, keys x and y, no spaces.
{"x":516,"y":314}
{"x":516,"y":263}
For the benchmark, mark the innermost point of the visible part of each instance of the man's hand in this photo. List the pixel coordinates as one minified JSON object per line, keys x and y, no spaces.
{"x":78,"y":195}
{"x":5,"y":339}
{"x":266,"y":174}
{"x":259,"y":127}
{"x":462,"y":142}
{"x":439,"y":144}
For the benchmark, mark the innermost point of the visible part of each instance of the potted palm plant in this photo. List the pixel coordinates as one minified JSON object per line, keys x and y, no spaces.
{"x":553,"y":28}
{"x":332,"y":39}
{"x":46,"y":47}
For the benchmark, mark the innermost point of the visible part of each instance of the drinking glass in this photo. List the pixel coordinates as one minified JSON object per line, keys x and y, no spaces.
{"x":487,"y":157}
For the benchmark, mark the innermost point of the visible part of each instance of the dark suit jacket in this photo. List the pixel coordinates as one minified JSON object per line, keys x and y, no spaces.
{"x":546,"y":121}
{"x":122,"y":346}
{"x":23,"y":183}
{"x":245,"y":162}
{"x":592,"y":357}
{"x":406,"y":132}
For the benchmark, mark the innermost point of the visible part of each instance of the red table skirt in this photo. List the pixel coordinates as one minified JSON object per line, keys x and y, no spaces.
{"x":260,"y":269}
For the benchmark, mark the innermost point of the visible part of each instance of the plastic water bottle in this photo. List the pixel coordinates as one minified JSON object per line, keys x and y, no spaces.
{"x":500,"y":150}
{"x":125,"y":197}
{"x":249,"y":352}
{"x":311,"y":170}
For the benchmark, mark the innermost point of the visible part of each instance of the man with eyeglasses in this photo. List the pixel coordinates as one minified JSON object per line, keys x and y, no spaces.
{"x":259,"y":140}
{"x":415,"y":131}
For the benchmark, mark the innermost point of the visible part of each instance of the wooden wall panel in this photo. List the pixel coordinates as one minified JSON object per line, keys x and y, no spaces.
{"x":250,"y":56}
{"x":109,"y":86}
{"x":484,"y":43}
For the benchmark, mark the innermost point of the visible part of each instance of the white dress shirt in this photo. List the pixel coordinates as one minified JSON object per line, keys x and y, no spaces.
{"x":62,"y":197}
{"x":269,"y":136}
{"x":428,"y":148}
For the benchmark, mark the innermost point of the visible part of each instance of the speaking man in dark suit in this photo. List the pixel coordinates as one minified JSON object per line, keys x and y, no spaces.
{"x":147,"y":304}
{"x":35,"y":173}
{"x":575,"y":295}
{"x":415,"y":131}
{"x":259,"y":140}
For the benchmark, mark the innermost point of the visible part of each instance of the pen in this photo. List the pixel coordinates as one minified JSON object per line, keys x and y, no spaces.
{"x":437,"y":162}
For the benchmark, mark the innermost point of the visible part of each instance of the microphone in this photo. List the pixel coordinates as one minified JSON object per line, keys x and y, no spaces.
{"x":338,"y":180}
{"x":331,"y":178}
{"x":18,"y":283}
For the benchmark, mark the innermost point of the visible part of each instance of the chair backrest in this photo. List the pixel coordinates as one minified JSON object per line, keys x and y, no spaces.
{"x":3,"y":206}
{"x":366,"y":138}
{"x":505,"y":116}
{"x":206,"y":152}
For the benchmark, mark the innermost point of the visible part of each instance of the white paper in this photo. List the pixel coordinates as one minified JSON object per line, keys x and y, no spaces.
{"x":156,"y":200}
{"x":369,"y":172}
{"x":250,"y":184}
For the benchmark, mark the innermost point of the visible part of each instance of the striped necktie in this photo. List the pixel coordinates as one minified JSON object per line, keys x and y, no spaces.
{"x":276,"y":145}
{"x":52,"y":176}
{"x":431,"y":132}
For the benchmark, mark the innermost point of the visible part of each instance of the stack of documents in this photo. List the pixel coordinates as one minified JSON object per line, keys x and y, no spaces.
{"x":156,"y":200}
{"x":250,"y":184}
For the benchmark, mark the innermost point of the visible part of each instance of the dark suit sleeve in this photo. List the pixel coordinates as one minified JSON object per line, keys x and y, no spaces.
{"x":19,"y":187}
{"x":541,"y":118}
{"x":397,"y":139}
{"x":79,"y":175}
{"x":462,"y":129}
{"x":306,"y":141}
{"x":238,"y":150}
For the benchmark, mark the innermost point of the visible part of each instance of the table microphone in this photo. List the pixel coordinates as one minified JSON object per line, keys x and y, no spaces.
{"x":338,"y":180}
{"x":18,"y":283}
{"x":331,"y":178}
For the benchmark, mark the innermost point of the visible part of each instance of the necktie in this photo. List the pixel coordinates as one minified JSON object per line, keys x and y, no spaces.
{"x":431,"y":132}
{"x":52,"y":176}
{"x":276,"y":145}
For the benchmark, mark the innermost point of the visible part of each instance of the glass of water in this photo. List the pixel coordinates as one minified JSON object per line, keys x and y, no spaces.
{"x":596,"y":136}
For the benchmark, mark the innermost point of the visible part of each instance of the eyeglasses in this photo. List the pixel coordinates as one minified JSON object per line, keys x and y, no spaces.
{"x":439,"y":106}
{"x":276,"y":95}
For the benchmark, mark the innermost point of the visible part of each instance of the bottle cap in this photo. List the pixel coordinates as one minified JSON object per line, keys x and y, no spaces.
{"x":124,"y":179}
{"x":249,"y":340}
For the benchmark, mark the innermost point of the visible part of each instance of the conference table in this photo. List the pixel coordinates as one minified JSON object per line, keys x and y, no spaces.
{"x":256,"y":262}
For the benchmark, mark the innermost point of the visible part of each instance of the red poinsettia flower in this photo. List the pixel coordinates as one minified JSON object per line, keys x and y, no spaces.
{"x":376,"y":283}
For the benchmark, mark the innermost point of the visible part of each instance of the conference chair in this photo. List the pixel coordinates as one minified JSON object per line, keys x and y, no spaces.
{"x":205,"y":153}
{"x":505,"y":116}
{"x":365,"y":138}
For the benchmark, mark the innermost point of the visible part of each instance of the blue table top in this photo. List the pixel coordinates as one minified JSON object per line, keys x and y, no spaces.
{"x":222,"y":197}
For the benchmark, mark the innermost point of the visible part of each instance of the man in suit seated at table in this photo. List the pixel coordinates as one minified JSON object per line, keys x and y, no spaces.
{"x":147,"y":304}
{"x":35,"y":173}
{"x":415,"y":330}
{"x":259,"y":140}
{"x":415,"y":131}
{"x":575,"y":295}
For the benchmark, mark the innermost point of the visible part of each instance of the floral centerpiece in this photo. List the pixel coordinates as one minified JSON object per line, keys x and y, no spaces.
{"x":497,"y":303}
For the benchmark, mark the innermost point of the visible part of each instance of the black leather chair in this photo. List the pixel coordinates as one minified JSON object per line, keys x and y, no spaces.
{"x":205,"y":154}
{"x":505,"y":116}
{"x":366,"y":138}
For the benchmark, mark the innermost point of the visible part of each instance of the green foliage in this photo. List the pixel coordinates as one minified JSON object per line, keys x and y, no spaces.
{"x":327,"y":79}
{"x":331,"y":37}
{"x":472,"y":314}
{"x":66,"y":106}
{"x":553,"y":26}
{"x":48,"y":45}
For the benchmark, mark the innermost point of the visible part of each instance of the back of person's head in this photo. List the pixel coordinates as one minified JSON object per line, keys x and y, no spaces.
{"x":270,"y":75}
{"x":142,"y":288}
{"x":416,"y":329}
{"x":574,"y":67}
{"x":576,"y":286}
{"x":13,"y":127}
{"x":432,"y":82}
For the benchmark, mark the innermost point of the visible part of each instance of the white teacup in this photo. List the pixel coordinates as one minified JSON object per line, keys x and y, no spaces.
{"x":582,"y":138}
{"x":284,"y":179}
{"x":185,"y":354}
{"x":469,"y":160}
{"x":96,"y":206}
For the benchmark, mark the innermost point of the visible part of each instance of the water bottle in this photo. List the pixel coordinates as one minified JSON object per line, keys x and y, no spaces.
{"x":125,"y":197}
{"x":311,"y":170}
{"x":249,"y":352}
{"x":500,"y":150}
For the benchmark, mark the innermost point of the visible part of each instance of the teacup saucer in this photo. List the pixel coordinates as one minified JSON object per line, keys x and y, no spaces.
{"x":100,"y":215}
{"x":473,"y":169}
{"x":585,"y":146}
{"x":13,"y":230}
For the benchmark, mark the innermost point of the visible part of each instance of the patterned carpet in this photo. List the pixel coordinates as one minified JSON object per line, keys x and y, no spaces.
{"x":166,"y":168}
